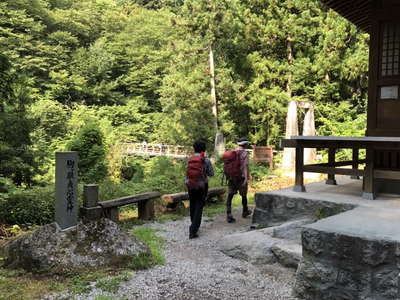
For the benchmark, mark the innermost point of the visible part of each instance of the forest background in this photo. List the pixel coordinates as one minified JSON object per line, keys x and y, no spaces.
{"x":88,"y":75}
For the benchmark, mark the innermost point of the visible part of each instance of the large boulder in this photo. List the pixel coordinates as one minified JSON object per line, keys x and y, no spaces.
{"x":280,"y":244}
{"x":291,"y":230}
{"x":252,"y":246}
{"x":88,"y":245}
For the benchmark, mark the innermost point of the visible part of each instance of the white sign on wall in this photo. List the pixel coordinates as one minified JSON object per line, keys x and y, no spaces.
{"x":390,"y":92}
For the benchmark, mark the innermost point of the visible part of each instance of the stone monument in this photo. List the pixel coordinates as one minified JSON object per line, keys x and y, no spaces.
{"x":66,"y":204}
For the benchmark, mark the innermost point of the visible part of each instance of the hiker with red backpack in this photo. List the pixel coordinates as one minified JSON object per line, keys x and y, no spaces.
{"x":236,"y":169}
{"x":198,"y":169}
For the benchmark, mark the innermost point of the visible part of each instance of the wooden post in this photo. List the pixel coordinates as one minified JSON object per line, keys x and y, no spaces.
{"x":331,"y":161}
{"x":146,"y":210}
{"x":299,"y":181}
{"x":355,"y":162}
{"x":369,"y":192}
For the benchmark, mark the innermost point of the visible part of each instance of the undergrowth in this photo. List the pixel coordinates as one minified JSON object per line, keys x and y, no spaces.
{"x":155,"y":243}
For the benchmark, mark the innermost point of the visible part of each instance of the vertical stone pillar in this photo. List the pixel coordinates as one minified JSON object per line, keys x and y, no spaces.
{"x":90,"y":195}
{"x":309,"y":130}
{"x":219,"y":146}
{"x":91,"y":209}
{"x":66,"y":205}
{"x":292,"y":128}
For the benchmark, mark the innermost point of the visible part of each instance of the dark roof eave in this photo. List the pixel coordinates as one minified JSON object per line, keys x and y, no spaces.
{"x":356,"y":11}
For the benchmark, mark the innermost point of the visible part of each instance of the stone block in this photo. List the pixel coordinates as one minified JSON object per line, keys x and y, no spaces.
{"x":263,"y":201}
{"x":313,"y":241}
{"x":386,"y":282}
{"x":252,"y":246}
{"x":90,"y":195}
{"x":375,"y":253}
{"x":261,"y":217}
{"x":287,"y":254}
{"x":91,"y":213}
{"x":291,"y":230}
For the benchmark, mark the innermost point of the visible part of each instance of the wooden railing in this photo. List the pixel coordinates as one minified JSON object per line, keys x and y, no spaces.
{"x":135,"y":149}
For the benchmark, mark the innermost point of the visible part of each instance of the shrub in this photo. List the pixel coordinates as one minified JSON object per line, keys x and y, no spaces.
{"x":259,"y":170}
{"x":132,"y":170}
{"x":27,"y":207}
{"x":89,"y":144}
{"x":165,"y":175}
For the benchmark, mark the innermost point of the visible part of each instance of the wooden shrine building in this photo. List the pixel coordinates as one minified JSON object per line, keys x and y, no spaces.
{"x":381,"y":19}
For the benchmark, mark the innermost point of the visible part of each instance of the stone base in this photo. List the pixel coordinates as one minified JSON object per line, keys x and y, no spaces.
{"x":343,"y":266}
{"x":352,"y":252}
{"x":91,"y":213}
{"x":92,"y":244}
{"x":272,"y":208}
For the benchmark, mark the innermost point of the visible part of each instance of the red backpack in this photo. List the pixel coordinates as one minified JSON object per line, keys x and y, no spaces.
{"x":231,"y":161}
{"x":194,"y":171}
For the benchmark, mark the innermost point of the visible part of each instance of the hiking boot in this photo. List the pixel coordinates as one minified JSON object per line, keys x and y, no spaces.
{"x":246,"y":212}
{"x":230,"y":219}
{"x":193,"y":236}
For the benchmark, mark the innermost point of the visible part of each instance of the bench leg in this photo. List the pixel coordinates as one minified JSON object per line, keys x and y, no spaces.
{"x":299,"y":180}
{"x":369,"y":192}
{"x":112,"y":213}
{"x":355,"y":163}
{"x":331,"y":160}
{"x":146,"y":210}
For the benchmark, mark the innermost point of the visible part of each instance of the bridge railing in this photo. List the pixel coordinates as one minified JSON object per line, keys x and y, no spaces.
{"x":155,"y":150}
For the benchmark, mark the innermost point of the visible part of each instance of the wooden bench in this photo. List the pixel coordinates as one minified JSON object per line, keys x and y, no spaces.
{"x":144,"y":201}
{"x":172,"y":199}
{"x":93,"y":209}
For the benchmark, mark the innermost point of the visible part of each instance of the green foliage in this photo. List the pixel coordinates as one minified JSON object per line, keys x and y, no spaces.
{"x":93,"y":74}
{"x":165,"y":175}
{"x":111,"y":190}
{"x":259,"y":170}
{"x":27,"y":206}
{"x":90,"y":147}
{"x":148,"y":236}
{"x":320,"y":213}
{"x":17,"y":160}
{"x":349,"y":123}
{"x":112,"y":284}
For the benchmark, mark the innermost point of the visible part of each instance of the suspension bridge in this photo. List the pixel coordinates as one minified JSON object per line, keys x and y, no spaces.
{"x":145,"y":149}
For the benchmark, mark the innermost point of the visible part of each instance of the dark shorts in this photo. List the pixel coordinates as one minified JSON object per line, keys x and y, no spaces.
{"x":235,"y":185}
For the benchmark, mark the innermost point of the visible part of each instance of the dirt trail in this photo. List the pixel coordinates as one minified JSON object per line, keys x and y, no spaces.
{"x":196,"y":269}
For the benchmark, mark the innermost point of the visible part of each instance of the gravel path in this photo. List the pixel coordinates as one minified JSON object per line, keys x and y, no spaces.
{"x":196,"y":269}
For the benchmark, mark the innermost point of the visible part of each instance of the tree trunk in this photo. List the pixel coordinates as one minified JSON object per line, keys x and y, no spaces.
{"x":219,"y":144}
{"x":292,"y":127}
{"x":309,"y":130}
{"x":213,"y":94}
{"x":289,"y":50}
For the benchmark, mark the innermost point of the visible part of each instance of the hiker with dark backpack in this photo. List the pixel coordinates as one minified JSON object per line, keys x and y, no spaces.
{"x":198,"y":169}
{"x":236,"y":170}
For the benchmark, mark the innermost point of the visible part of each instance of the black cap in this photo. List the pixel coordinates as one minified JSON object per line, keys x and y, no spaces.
{"x":243,"y":142}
